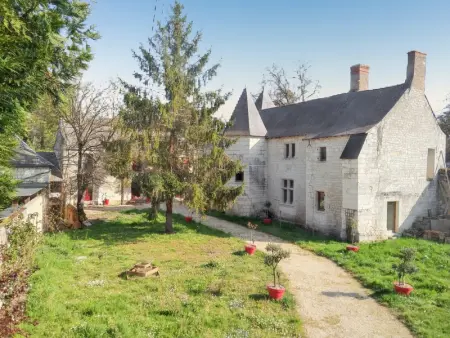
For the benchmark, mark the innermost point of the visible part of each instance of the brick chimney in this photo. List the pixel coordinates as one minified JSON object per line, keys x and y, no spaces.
{"x":416,"y":71}
{"x":359,"y":78}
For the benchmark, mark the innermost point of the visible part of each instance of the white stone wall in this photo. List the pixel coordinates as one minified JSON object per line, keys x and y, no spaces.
{"x":279,"y":168}
{"x":325,"y":176}
{"x":110,"y":188}
{"x":34,"y":211}
{"x":252,"y":152}
{"x":392,"y":166}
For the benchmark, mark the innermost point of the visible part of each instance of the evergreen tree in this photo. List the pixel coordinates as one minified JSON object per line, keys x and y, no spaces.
{"x":182,"y":142}
{"x":118,"y":161}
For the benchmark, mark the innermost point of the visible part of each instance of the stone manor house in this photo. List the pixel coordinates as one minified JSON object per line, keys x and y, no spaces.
{"x":370,"y":155}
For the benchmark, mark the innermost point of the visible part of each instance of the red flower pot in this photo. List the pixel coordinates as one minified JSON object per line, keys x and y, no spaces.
{"x":250,"y":249}
{"x":275,"y":292}
{"x":147,"y":200}
{"x":353,"y":248}
{"x":403,"y":289}
{"x":106,"y":202}
{"x":188,"y":218}
{"x":267,"y":220}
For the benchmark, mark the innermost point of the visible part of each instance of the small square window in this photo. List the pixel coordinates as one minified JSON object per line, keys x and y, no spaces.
{"x":293,"y":150}
{"x":323,"y":154}
{"x":320,"y":201}
{"x":240,"y":176}
{"x":286,"y":153}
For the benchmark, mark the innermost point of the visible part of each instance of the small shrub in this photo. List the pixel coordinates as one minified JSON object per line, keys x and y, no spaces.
{"x":252,"y":228}
{"x":273,"y":257}
{"x":17,"y":257}
{"x":406,"y":265}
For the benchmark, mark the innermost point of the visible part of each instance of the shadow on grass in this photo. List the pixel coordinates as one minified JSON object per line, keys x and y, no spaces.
{"x":259,"y":296}
{"x":240,"y":253}
{"x":120,"y":231}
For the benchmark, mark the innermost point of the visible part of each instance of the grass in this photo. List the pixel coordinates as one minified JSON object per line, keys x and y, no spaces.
{"x":207,"y":286}
{"x":426,"y":312}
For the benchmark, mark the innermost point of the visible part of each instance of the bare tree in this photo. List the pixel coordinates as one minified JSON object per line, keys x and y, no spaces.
{"x":284,"y":90}
{"x":87,"y":124}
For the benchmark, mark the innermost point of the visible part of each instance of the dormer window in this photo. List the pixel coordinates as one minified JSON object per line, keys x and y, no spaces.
{"x":289,"y":151}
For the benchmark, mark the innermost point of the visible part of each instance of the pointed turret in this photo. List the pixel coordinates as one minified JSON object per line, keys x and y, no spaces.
{"x":263,"y":101}
{"x":246,"y":119}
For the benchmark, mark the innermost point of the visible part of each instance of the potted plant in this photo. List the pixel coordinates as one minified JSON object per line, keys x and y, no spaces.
{"x":351,"y":235}
{"x":188,"y":218}
{"x":273,"y":257}
{"x":405,"y":267}
{"x":105,"y":199}
{"x":251,"y":248}
{"x":267,"y":219}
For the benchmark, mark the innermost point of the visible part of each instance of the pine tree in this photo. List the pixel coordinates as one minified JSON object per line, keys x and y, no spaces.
{"x":182,"y":141}
{"x":118,"y":159}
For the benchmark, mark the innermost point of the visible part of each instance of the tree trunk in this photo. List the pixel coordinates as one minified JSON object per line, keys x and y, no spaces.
{"x":122,"y":192}
{"x":80,"y":210}
{"x":153,"y":212}
{"x":169,"y":210}
{"x":274,"y":277}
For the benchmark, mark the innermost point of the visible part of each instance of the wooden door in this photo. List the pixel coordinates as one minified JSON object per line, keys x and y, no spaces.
{"x":392,"y":216}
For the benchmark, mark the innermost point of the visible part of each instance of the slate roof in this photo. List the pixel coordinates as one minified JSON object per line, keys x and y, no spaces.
{"x":50,"y":156}
{"x":344,"y":114}
{"x":25,"y":157}
{"x":263,"y":101}
{"x":245,"y":119}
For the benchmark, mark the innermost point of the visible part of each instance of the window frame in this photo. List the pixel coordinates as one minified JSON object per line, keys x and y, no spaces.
{"x":431,"y":163}
{"x":287,"y":191}
{"x":320,"y":198}
{"x":289,"y":150}
{"x":322,"y":154}
{"x":236,"y":176}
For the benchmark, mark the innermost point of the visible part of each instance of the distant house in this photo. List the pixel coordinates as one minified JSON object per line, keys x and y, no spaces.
{"x":364,"y":155}
{"x":101,"y":185}
{"x":36,"y":176}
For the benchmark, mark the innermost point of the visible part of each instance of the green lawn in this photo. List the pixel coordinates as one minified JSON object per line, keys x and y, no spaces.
{"x":207,"y":287}
{"x":426,"y":311}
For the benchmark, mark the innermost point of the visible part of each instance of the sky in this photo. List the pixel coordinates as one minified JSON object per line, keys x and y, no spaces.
{"x":247,"y":36}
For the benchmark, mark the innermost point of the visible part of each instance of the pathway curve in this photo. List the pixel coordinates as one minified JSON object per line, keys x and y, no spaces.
{"x":330,"y":301}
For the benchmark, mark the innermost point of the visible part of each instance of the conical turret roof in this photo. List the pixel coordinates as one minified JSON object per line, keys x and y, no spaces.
{"x":246,"y":119}
{"x":263,"y":101}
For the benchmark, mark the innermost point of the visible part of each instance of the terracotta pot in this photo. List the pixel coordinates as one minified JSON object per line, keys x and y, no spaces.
{"x":267,"y":220}
{"x":250,"y":249}
{"x":188,"y":218}
{"x":353,"y":248}
{"x":276,"y":292}
{"x":106,"y":201}
{"x":403,"y":289}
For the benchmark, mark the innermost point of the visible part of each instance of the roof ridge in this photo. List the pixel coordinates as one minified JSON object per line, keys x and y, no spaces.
{"x":334,"y":95}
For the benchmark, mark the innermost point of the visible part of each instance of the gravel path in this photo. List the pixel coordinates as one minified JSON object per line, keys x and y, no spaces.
{"x":331,"y":303}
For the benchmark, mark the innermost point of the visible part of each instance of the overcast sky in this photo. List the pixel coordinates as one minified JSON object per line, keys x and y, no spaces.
{"x":246,"y":36}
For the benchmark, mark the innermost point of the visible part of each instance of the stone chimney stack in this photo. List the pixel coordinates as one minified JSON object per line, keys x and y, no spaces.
{"x":415,"y":73}
{"x":359,"y":78}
